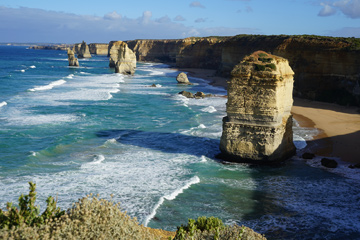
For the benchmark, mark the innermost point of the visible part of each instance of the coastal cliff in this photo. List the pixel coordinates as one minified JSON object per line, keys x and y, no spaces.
{"x":99,"y":48}
{"x":326,"y":68}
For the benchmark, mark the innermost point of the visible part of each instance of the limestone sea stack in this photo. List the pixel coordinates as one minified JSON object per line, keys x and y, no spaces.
{"x":122,"y":58}
{"x":258,"y":125}
{"x":84,"y":51}
{"x":71,"y":57}
{"x":182,"y":78}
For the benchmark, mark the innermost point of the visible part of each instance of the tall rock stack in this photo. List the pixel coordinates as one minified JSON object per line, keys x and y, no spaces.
{"x":71,"y":57}
{"x":258,"y":125}
{"x":122,"y":58}
{"x":84,"y":51}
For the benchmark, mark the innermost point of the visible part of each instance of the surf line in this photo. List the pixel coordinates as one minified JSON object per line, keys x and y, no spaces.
{"x":172,"y":196}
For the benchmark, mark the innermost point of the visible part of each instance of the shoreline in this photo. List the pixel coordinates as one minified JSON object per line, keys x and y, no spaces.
{"x":339,"y":126}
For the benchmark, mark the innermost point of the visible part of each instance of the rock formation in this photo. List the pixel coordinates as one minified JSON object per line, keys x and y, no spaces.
{"x":327,"y":67}
{"x":71,"y":57}
{"x":98,"y":48}
{"x":84,"y":52}
{"x":258,"y":125}
{"x":183,"y":79}
{"x":122,"y":58}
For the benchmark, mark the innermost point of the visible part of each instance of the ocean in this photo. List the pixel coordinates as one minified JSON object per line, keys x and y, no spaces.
{"x":76,"y":131}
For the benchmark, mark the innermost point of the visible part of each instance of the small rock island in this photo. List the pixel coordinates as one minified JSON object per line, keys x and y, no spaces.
{"x":258,"y":125}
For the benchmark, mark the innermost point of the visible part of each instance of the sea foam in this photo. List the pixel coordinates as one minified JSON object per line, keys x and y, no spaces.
{"x":48,"y":87}
{"x":172,"y":196}
{"x":3,"y":104}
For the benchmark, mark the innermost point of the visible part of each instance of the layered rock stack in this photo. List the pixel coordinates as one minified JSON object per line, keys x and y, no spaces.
{"x":71,"y":57}
{"x":258,"y":125}
{"x":84,"y":51}
{"x":122,"y":58}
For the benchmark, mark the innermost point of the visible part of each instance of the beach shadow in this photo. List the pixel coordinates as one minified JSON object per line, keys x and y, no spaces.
{"x":165,"y":142}
{"x":346,"y":147}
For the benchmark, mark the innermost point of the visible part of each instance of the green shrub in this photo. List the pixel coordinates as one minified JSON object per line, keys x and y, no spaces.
{"x":265,"y":60}
{"x":271,"y":65}
{"x":90,"y":218}
{"x":262,"y":55}
{"x":213,"y":228}
{"x":28,"y":213}
{"x":259,"y":67}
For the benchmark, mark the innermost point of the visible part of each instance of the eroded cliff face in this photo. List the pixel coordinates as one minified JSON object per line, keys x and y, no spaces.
{"x":327,"y":69}
{"x":258,"y":126}
{"x":98,"y":48}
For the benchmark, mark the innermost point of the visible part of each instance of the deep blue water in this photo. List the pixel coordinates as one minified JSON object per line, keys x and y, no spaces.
{"x":76,"y":131}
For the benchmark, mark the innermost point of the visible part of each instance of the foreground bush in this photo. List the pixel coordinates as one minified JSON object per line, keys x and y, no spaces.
{"x":89,"y":218}
{"x":93,"y":218}
{"x":213,"y":228}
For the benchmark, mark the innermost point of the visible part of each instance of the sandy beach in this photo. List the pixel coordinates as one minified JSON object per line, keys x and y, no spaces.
{"x":339,"y":126}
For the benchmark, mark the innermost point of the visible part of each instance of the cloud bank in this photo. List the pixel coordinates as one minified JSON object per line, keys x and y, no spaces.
{"x":350,"y":8}
{"x":36,"y":25}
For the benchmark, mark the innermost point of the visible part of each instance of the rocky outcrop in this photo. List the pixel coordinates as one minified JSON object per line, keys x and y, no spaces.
{"x":183,"y":79}
{"x":258,"y":125}
{"x":84,"y":51}
{"x":122,"y":58}
{"x":98,"y":48}
{"x":71,"y":57}
{"x":327,"y":68}
{"x":197,"y":95}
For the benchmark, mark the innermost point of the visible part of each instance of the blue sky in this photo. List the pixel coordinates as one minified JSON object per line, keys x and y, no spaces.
{"x":68,"y":21}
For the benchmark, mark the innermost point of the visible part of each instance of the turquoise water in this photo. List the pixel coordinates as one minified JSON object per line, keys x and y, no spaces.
{"x":76,"y":131}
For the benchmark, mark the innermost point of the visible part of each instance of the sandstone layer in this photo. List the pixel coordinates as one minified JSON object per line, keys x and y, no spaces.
{"x":84,"y":51}
{"x":327,"y":68}
{"x":99,"y":48}
{"x":71,"y":57}
{"x":258,"y":126}
{"x":122,"y":58}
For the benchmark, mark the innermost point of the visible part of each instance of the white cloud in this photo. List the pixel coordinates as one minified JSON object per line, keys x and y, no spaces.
{"x":326,"y":10}
{"x":197,"y":4}
{"x":146,"y":17}
{"x":164,"y":19}
{"x":350,"y":8}
{"x":36,"y":25}
{"x":112,"y":16}
{"x":179,"y":18}
{"x":200,"y":20}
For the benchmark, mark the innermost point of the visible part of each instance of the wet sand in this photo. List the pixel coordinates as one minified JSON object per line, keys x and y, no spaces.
{"x":339,"y":126}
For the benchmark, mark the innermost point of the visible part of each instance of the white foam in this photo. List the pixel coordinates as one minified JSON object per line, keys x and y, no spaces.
{"x":70,"y":76}
{"x":22,"y":70}
{"x":98,"y":159}
{"x":172,"y":196}
{"x":3,"y":104}
{"x":203,"y":159}
{"x":209,"y":109}
{"x":299,"y":142}
{"x":155,"y":73}
{"x":33,"y":66}
{"x":49,"y":86}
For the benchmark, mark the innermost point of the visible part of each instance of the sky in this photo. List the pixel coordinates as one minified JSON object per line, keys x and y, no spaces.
{"x":72,"y":21}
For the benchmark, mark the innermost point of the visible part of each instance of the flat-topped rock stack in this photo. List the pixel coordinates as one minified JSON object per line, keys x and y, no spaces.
{"x":71,"y":57}
{"x":84,"y":51}
{"x":122,"y":58}
{"x":258,"y":125}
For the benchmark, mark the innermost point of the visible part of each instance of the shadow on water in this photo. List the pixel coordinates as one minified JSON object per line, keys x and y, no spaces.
{"x":288,"y":201}
{"x":165,"y":142}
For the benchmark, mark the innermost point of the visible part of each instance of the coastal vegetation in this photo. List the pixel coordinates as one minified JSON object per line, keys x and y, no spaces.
{"x":94,"y":218}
